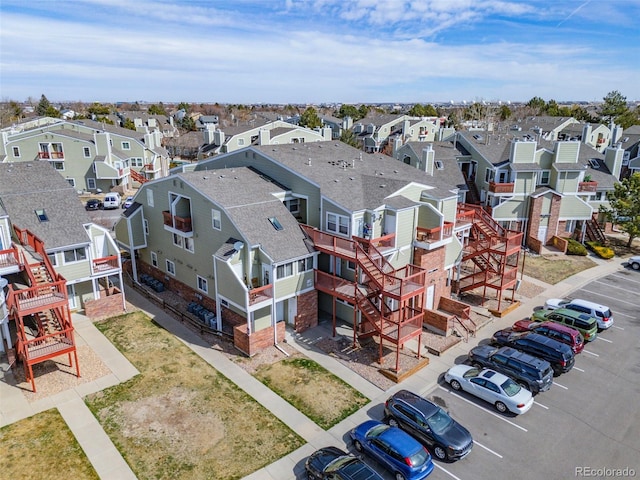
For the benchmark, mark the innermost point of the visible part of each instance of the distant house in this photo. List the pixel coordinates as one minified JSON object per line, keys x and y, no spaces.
{"x":377,"y":131}
{"x":90,"y":155}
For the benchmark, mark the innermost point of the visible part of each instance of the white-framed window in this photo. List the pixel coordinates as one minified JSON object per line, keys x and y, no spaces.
{"x":87,"y":152}
{"x":337,"y":223}
{"x":75,"y":255}
{"x":146,"y":226}
{"x":188,"y":244}
{"x":545,"y":175}
{"x":72,"y":181}
{"x":16,"y":152}
{"x":150,"y":197}
{"x":285,"y":270}
{"x":91,"y":183}
{"x":202,"y":284}
{"x":171,"y":267}
{"x":305,"y":264}
{"x":57,"y":165}
{"x":241,"y":141}
{"x":126,"y":146}
{"x":351,"y":265}
{"x":570,"y":226}
{"x":177,"y":240}
{"x":154,"y":259}
{"x":488,"y":175}
{"x":293,"y":205}
{"x":53,"y":259}
{"x":216,"y":219}
{"x":136,"y":162}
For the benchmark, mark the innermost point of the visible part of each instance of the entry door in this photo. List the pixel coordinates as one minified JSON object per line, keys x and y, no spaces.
{"x":431,"y":290}
{"x":71,"y":293}
{"x":292,"y":304}
{"x":280,"y":311}
{"x":542,"y":233}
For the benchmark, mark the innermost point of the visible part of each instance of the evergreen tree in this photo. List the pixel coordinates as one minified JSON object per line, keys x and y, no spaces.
{"x":624,"y":206}
{"x":310,"y":118}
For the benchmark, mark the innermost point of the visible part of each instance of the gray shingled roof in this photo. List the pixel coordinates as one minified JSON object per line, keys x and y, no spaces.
{"x":351,"y":178}
{"x":29,"y":186}
{"x":248,"y":199}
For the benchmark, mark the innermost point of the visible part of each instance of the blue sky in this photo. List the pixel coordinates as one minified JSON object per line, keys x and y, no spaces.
{"x":314,"y":51}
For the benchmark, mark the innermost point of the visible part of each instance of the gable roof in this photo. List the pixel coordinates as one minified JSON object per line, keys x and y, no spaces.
{"x":248,"y":200}
{"x":29,"y":186}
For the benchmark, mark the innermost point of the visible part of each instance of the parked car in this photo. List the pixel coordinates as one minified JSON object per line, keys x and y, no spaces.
{"x":558,"y":354}
{"x":634,"y":262}
{"x":497,"y":389}
{"x":585,"y":324}
{"x":334,"y":464}
{"x":533,"y":373}
{"x":557,"y":331}
{"x":398,"y":451}
{"x":444,"y":437}
{"x":600,"y":312}
{"x":111,"y":200}
{"x":93,"y":204}
{"x":127,"y":202}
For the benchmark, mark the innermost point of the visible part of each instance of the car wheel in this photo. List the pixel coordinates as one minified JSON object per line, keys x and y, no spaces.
{"x":455,"y":384}
{"x":310,"y":476}
{"x":392,"y":422}
{"x":400,"y":476}
{"x":501,"y":407}
{"x":440,"y":453}
{"x":635,"y":266}
{"x":357,"y":445}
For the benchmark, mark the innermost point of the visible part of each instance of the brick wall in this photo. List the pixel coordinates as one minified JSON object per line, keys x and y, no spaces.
{"x":104,"y":307}
{"x":554,"y":218}
{"x":307,"y":316}
{"x":534,"y":224}
{"x":454,"y":306}
{"x":436,"y":322}
{"x":429,"y":260}
{"x":257,"y":341}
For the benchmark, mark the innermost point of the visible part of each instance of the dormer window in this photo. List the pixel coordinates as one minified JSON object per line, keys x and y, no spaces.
{"x":42,"y":215}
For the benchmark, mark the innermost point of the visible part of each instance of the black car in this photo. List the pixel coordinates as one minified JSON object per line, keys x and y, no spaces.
{"x":93,"y":204}
{"x":535,"y":374}
{"x":332,"y":463}
{"x":428,"y":423}
{"x":558,"y":354}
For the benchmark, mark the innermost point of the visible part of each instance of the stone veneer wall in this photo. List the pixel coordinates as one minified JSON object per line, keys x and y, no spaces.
{"x":104,"y":307}
{"x":257,"y":341}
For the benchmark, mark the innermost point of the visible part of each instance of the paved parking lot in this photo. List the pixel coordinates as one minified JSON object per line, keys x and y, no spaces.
{"x":588,"y":421}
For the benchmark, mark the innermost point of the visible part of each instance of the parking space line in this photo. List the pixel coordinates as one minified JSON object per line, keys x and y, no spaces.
{"x":482,"y":408}
{"x":624,"y":315}
{"x":487,"y":448}
{"x":445,"y":471}
{"x":541,"y":405}
{"x":617,"y":300}
{"x":561,"y":386}
{"x":579,"y":369}
{"x":591,"y":353}
{"x":617,"y":327}
{"x":603,"y":339}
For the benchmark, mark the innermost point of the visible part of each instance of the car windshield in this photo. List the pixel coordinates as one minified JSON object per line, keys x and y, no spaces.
{"x":510,"y":387}
{"x":474,"y":372}
{"x":439,"y":421}
{"x":338,"y":463}
{"x":377,"y":430}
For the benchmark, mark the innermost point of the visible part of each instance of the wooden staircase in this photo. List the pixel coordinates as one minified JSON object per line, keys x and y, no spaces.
{"x":594,"y":232}
{"x":138,"y":177}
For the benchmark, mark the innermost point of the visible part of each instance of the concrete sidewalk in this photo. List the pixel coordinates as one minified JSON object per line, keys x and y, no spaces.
{"x":110,"y":465}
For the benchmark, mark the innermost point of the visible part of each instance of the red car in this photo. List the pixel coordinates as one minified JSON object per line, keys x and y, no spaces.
{"x":561,"y":333}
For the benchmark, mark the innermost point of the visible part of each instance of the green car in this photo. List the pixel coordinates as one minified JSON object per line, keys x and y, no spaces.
{"x":585,"y":324}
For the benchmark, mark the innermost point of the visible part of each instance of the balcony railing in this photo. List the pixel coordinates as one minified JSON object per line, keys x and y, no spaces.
{"x":501,"y":187}
{"x":435,"y":234}
{"x":51,"y":155}
{"x":105,"y":264}
{"x":179,"y":223}
{"x":587,"y":186}
{"x":9,"y":258}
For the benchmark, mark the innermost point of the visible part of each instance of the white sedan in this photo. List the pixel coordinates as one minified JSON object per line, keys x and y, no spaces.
{"x":634,"y":262}
{"x":498,"y":389}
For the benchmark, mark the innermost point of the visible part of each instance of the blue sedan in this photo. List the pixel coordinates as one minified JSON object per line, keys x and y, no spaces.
{"x":398,"y":451}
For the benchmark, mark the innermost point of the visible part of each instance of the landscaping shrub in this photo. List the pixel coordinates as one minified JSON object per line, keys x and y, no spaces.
{"x":576,"y":248}
{"x":601,"y":250}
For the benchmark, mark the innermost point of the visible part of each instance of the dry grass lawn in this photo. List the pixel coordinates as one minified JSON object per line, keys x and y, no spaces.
{"x":42,"y":447}
{"x":317,"y":393}
{"x":554,"y":268}
{"x":180,"y":418}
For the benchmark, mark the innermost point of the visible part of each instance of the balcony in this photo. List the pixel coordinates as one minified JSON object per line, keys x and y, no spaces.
{"x":587,"y":186}
{"x":51,"y":155}
{"x":501,"y":187}
{"x":105,"y":264}
{"x":436,"y":234}
{"x":182,"y":224}
{"x":260,"y":294}
{"x":9,"y":261}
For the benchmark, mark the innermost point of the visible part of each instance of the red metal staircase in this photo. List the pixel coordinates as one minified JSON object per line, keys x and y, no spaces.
{"x":490,"y":256}
{"x":138,"y":177}
{"x":389,"y":300}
